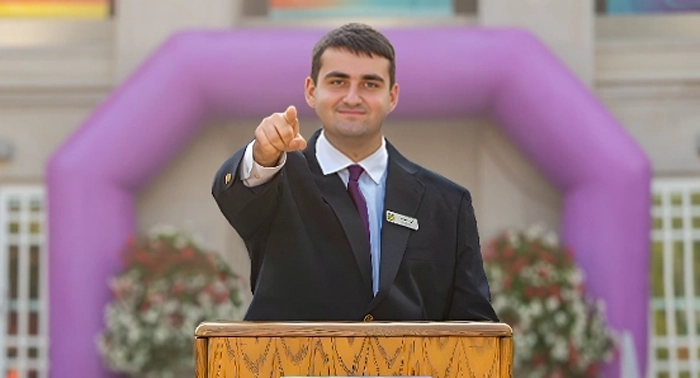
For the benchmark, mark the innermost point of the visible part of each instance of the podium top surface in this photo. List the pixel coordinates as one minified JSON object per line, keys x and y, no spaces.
{"x":352,"y":329}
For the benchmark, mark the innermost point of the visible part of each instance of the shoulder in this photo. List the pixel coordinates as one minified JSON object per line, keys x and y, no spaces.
{"x":434,"y":183}
{"x":439,"y":183}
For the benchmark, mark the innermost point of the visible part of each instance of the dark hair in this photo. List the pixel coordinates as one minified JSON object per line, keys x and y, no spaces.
{"x":359,"y":39}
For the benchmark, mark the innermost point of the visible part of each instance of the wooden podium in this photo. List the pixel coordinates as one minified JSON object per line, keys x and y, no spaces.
{"x":271,"y":350}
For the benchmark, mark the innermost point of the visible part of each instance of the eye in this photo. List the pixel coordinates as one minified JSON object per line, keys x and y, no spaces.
{"x":370,"y":84}
{"x":336,"y":82}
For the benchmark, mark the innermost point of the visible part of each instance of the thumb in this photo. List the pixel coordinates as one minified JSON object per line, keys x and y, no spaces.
{"x":298,"y":143}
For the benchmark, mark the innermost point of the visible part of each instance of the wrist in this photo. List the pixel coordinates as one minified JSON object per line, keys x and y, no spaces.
{"x":265,"y":160}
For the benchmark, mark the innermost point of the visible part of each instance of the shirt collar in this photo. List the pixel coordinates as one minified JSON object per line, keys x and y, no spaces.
{"x":332,"y":160}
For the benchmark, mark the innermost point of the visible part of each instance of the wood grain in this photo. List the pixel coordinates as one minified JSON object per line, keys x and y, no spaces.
{"x":352,"y":329}
{"x":435,"y":349}
{"x":200,"y":357}
{"x":507,"y":356}
{"x":438,"y":357}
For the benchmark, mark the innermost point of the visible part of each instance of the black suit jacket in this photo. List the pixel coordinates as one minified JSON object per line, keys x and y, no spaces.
{"x":310,"y":259}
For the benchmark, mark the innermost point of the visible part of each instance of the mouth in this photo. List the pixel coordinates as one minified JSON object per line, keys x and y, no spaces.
{"x":351,"y":112}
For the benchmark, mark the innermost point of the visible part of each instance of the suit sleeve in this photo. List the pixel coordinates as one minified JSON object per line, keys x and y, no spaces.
{"x":471,"y":299}
{"x":247,"y":209}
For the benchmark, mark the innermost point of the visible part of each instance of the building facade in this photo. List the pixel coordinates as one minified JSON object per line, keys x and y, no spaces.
{"x":644,"y":67}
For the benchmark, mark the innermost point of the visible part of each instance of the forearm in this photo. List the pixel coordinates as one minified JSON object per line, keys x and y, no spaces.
{"x":246,"y":208}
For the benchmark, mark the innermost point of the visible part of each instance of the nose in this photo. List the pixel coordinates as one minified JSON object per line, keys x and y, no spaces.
{"x":352,"y":97}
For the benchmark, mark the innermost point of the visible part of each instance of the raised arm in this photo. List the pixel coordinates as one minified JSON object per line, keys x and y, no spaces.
{"x":246,"y":186}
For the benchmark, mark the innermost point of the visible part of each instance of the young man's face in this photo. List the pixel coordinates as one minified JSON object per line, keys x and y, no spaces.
{"x":352,"y":95}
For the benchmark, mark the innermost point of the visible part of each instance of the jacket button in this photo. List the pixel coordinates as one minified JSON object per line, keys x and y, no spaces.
{"x":368,"y":318}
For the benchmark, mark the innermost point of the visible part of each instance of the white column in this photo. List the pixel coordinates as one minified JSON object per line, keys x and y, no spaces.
{"x":141,"y":26}
{"x":566,"y":26}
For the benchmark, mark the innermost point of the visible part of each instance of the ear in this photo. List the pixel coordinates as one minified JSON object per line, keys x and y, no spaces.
{"x":393,"y":96}
{"x":310,"y":92}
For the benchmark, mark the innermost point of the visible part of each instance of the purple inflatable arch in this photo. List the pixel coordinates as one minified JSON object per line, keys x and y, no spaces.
{"x":452,"y":72}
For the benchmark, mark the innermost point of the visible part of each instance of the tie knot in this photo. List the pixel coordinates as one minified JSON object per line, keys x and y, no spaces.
{"x":355,"y":172}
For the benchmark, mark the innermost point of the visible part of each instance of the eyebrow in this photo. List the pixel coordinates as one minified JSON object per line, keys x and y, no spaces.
{"x":341,"y":75}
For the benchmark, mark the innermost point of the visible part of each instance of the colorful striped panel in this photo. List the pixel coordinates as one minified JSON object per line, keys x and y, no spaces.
{"x":93,"y":9}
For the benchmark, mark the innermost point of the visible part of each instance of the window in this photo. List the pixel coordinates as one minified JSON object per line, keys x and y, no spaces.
{"x":648,"y":6}
{"x":78,"y":9}
{"x":675,"y":279}
{"x":24,"y":285}
{"x":382,"y":8}
{"x":379,"y":11}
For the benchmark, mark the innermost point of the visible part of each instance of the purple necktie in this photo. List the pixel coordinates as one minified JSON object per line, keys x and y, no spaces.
{"x":356,"y":195}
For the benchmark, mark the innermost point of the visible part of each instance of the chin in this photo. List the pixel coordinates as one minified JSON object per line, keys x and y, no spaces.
{"x":351,"y":130}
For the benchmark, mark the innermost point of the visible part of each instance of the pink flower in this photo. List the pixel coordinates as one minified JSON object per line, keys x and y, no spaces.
{"x":518,"y":265}
{"x":155,"y":299}
{"x":555,"y":292}
{"x":175,"y":320}
{"x":592,"y":371}
{"x":530,"y":292}
{"x":222,"y":297}
{"x":187,"y":253}
{"x":507,"y":282}
{"x":178,"y":288}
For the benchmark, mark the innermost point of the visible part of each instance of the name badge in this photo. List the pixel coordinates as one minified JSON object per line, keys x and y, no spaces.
{"x":402,"y":220}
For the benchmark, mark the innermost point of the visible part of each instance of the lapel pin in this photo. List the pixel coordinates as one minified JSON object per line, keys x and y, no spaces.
{"x":402,"y":220}
{"x":227,"y":178}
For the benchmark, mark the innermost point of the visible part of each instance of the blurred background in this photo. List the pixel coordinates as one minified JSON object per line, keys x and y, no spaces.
{"x":60,"y":58}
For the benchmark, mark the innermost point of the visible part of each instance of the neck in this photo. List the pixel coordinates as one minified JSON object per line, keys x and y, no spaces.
{"x":356,"y":149}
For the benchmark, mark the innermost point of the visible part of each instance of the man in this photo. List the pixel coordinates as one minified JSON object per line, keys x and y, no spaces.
{"x":345,"y":227}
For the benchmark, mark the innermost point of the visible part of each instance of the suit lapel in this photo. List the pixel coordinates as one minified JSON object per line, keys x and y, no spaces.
{"x":336,"y":196}
{"x":403,"y":195}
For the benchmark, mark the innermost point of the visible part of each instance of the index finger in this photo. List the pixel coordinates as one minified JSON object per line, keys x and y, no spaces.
{"x":290,"y":115}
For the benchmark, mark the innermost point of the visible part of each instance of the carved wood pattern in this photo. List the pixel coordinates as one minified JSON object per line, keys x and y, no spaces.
{"x":438,"y":357}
